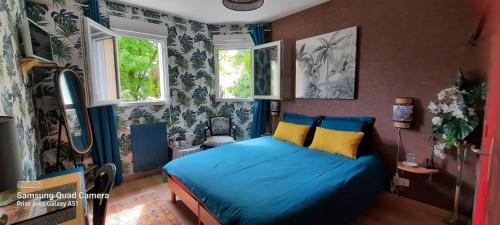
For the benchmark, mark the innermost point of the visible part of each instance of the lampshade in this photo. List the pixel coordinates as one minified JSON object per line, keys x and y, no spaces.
{"x":10,"y":162}
{"x":402,"y":112}
{"x":242,"y":5}
{"x":275,"y":108}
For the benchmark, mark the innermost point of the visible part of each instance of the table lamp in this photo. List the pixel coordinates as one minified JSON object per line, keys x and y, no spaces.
{"x":402,"y":112}
{"x":402,"y":115}
{"x":10,"y":162}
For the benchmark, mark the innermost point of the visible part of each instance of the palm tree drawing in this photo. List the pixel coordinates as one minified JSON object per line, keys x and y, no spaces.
{"x":326,"y":49}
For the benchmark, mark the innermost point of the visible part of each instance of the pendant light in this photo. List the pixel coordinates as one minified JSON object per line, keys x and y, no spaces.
{"x":242,"y":5}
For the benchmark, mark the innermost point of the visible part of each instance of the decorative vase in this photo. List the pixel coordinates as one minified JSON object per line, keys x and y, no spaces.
{"x":455,"y":218}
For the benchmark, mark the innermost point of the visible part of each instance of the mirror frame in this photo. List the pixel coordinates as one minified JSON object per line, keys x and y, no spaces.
{"x":85,"y":112}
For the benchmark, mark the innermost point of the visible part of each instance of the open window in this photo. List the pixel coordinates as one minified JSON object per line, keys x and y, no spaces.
{"x":103,"y":81}
{"x":245,"y":72}
{"x":128,"y":64}
{"x":267,"y":71}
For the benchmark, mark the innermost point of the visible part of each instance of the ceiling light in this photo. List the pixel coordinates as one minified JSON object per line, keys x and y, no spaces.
{"x":243,"y":5}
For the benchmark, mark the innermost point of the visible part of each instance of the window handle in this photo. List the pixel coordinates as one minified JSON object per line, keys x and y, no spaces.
{"x":480,"y":152}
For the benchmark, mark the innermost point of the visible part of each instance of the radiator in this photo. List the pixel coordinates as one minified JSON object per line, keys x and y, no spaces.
{"x":149,"y":146}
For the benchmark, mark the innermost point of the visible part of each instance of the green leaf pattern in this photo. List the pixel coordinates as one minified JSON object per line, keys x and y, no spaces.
{"x":16,"y":99}
{"x":191,"y":76}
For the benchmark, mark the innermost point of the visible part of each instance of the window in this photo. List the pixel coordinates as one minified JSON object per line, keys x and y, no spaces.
{"x":141,"y":66}
{"x":244,"y":71}
{"x":233,"y":58}
{"x":235,"y":73}
{"x":102,"y":81}
{"x":128,"y":64}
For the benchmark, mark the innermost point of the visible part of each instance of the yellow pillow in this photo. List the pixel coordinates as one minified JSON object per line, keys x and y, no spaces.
{"x":290,"y":132}
{"x":339,"y":142}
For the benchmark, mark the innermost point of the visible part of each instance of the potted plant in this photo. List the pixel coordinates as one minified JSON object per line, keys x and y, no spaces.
{"x":456,"y":117}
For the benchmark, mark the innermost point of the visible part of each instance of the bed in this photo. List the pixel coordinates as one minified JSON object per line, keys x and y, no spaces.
{"x":266,"y":181}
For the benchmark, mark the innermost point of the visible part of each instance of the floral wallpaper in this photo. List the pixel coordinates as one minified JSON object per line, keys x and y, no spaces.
{"x":191,"y":75}
{"x":62,"y":20}
{"x":15,"y":97}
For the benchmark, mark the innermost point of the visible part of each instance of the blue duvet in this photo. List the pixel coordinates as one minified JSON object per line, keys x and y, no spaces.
{"x":265,"y":181}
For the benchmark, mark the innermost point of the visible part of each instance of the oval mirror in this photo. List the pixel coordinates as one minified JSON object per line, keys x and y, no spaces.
{"x":74,"y":111}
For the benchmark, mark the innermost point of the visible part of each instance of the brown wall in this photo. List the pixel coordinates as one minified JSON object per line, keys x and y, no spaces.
{"x":405,"y":48}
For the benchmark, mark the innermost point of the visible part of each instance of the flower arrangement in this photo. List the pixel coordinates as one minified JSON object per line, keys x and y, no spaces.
{"x":456,"y":114}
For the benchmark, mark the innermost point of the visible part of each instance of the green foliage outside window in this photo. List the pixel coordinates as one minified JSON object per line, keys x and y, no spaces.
{"x":236,"y":63}
{"x":139,"y":69}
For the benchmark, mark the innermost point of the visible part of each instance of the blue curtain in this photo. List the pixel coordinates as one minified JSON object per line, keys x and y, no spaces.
{"x":261,"y":108}
{"x":106,"y":145}
{"x":93,"y":11}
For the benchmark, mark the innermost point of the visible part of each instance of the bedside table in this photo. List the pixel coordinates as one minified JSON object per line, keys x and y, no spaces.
{"x":185,"y":150}
{"x":180,"y":152}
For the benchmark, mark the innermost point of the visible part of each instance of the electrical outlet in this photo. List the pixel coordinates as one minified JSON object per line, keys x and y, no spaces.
{"x":403,"y":182}
{"x":399,"y":181}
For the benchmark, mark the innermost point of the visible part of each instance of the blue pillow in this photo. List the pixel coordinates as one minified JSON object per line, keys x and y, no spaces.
{"x":300,"y":119}
{"x":311,"y":121}
{"x":354,"y":124}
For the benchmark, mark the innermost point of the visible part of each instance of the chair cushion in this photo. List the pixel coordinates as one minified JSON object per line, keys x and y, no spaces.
{"x":218,"y":140}
{"x":220,"y":125}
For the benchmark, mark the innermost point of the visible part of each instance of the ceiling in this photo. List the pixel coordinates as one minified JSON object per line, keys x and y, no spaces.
{"x":213,"y":12}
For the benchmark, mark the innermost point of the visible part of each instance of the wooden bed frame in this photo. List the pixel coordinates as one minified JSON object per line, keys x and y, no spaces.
{"x":178,"y":189}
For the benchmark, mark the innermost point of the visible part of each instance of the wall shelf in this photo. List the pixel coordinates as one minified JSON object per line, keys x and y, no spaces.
{"x":27,"y":64}
{"x":417,"y":170}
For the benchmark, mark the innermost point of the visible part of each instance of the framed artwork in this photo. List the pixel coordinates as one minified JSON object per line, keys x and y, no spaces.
{"x":326,"y":65}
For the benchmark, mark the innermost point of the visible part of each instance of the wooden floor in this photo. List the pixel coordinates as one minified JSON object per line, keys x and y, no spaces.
{"x":387,"y":210}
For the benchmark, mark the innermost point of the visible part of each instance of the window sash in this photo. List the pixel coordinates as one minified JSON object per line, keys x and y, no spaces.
{"x":93,"y":81}
{"x":218,"y":96}
{"x":163,"y":63}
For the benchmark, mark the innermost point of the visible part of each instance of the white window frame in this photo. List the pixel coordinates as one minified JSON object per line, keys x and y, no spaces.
{"x":278,"y":44}
{"x":125,"y":27}
{"x":90,"y":86}
{"x":231,"y":42}
{"x":244,"y":41}
{"x":163,"y":58}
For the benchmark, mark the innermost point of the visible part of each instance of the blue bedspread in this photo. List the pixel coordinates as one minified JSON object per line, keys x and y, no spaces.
{"x":266,"y":181}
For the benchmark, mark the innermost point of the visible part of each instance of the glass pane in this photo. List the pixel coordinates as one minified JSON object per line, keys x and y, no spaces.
{"x":140,"y":69}
{"x":235,"y":69}
{"x":104,"y":65}
{"x":70,"y":89}
{"x":266,"y":71}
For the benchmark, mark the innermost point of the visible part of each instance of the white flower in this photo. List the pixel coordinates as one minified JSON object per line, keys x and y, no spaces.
{"x":456,"y":111}
{"x":445,"y":108}
{"x":438,"y":150}
{"x":444,"y":136}
{"x":472,"y":111}
{"x":450,"y":92}
{"x":441,"y":95}
{"x":434,"y":108}
{"x":437,"y":120}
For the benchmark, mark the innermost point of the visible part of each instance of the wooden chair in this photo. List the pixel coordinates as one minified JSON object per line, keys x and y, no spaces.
{"x":220,"y":129}
{"x":104,"y":181}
